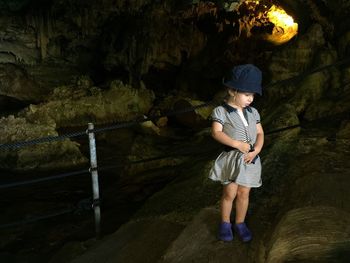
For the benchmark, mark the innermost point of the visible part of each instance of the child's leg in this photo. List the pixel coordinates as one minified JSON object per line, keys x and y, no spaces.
{"x":242,"y":202}
{"x":228,"y":195}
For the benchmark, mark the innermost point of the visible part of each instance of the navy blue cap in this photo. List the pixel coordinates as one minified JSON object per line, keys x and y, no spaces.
{"x":246,"y":78}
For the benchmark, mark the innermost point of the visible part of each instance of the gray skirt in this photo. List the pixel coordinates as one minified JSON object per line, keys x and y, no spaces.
{"x":230,"y":167}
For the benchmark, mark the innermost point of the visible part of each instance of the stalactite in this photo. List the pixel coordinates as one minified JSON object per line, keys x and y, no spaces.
{"x":49,"y":25}
{"x":44,"y":27}
{"x":43,"y":39}
{"x":86,"y":26}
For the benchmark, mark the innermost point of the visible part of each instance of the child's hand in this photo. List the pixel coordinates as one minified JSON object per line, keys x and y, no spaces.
{"x":249,"y":157}
{"x":244,"y":147}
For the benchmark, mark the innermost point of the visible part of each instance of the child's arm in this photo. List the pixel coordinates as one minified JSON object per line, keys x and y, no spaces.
{"x":259,"y":138}
{"x":220,"y":136}
{"x":248,"y":158}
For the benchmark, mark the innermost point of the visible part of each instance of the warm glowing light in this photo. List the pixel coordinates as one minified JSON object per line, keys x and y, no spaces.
{"x":279,"y":17}
{"x":266,"y":20}
{"x":285,"y":27}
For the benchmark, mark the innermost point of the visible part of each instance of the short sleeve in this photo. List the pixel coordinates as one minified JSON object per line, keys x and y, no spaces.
{"x":218,"y":115}
{"x":256,"y":115}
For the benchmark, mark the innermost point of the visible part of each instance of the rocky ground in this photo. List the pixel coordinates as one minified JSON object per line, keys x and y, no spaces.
{"x":300,"y":214}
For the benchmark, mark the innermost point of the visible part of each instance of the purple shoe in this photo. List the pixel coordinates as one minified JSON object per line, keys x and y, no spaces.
{"x":225,"y":232}
{"x":243,"y":232}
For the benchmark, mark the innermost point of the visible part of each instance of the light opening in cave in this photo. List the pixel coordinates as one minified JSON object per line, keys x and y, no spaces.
{"x":284,"y":26}
{"x":271,"y":21}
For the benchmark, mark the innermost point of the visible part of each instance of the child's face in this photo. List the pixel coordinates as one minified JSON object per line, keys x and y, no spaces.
{"x":244,"y":99}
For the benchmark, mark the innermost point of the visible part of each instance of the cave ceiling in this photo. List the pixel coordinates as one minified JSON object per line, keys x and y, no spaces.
{"x":155,"y":41}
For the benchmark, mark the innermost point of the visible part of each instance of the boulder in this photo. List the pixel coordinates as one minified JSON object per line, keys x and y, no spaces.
{"x":311,"y":234}
{"x":17,"y":84}
{"x":43,"y":156}
{"x":78,"y":105}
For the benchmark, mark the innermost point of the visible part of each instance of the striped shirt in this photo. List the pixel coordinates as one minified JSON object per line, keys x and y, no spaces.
{"x":234,"y":126}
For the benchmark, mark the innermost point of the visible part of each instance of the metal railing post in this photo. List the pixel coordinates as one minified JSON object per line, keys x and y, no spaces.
{"x":94,"y":179}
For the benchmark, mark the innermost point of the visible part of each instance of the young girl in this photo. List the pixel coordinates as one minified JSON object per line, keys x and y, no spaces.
{"x":237,"y":125}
